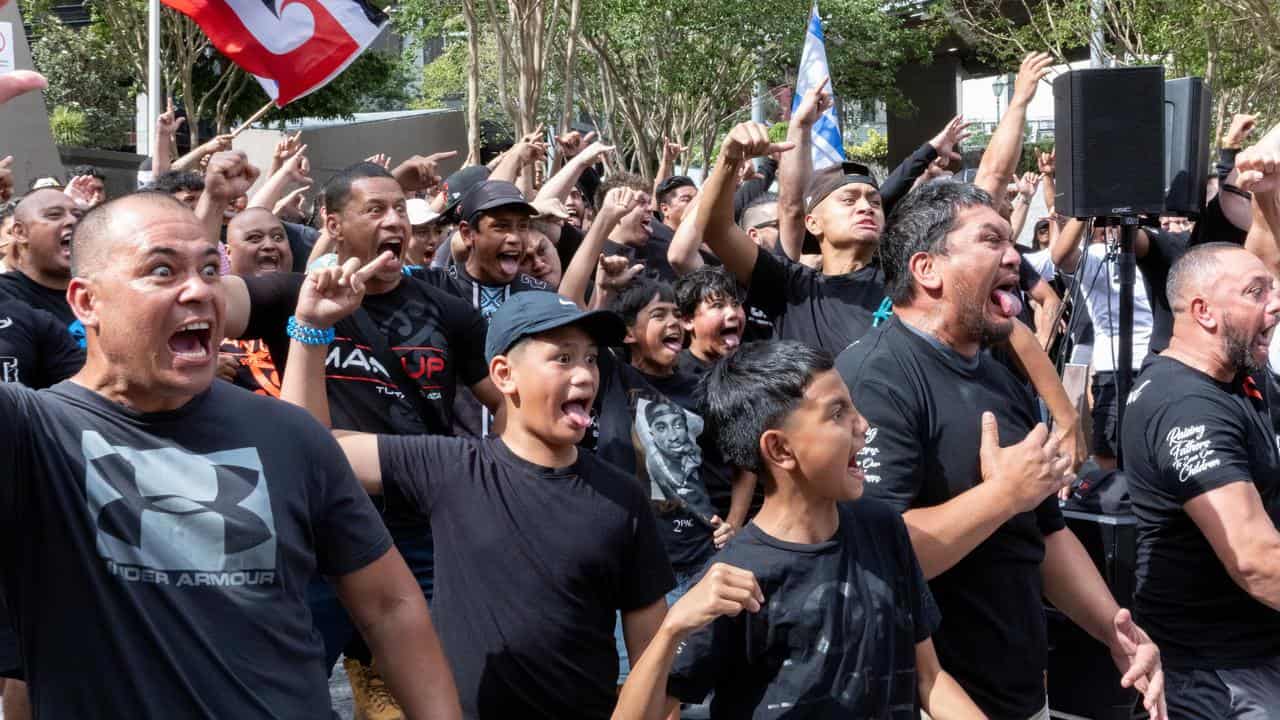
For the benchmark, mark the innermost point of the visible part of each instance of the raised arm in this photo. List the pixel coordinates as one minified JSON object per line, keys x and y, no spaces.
{"x":296,"y":170}
{"x":1028,"y":352}
{"x":166,"y":127}
{"x":795,"y":170}
{"x":714,"y":222}
{"x":1000,"y":161}
{"x":670,"y":151}
{"x":1022,"y":203}
{"x":1259,"y":169}
{"x":1047,"y":164}
{"x":528,"y":151}
{"x":558,"y":186}
{"x":578,"y":276}
{"x":1064,"y":246}
{"x":940,"y":148}
{"x":683,"y":252}
{"x":327,"y":296}
{"x":220,"y":143}
{"x":228,"y":177}
{"x":421,"y":173}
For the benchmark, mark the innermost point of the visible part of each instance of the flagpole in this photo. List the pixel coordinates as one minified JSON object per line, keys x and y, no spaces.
{"x":254,"y":118}
{"x":153,"y":70}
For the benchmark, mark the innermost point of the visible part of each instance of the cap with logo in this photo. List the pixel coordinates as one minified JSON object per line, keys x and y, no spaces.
{"x":460,"y":182}
{"x":491,"y":195}
{"x":530,"y":313}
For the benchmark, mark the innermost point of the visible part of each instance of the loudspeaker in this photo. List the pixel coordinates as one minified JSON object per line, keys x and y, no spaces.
{"x":1082,"y":679}
{"x":1109,"y":127}
{"x":1186,"y":145}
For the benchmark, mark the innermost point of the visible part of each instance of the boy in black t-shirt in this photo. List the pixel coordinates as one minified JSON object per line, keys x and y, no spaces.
{"x":540,"y":544}
{"x":711,"y":311}
{"x":839,"y":614}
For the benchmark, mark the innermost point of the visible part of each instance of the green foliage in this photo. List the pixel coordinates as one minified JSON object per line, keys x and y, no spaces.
{"x":444,"y":81}
{"x":778,"y":131}
{"x":93,"y":91}
{"x":69,"y":126}
{"x":874,"y":150}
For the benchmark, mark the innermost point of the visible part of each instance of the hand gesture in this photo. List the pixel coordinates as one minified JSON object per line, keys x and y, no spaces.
{"x":1027,"y":184}
{"x":595,"y":152}
{"x":531,"y":148}
{"x":219,"y":143}
{"x":6,"y":178}
{"x":20,"y":82}
{"x":750,"y":140}
{"x":1035,"y":67}
{"x":1047,"y":162}
{"x":722,"y":533}
{"x":747,"y":172}
{"x":330,"y":294}
{"x":420,"y":173}
{"x":382,"y":159}
{"x":288,"y":146}
{"x":1138,"y":658}
{"x":168,"y":123}
{"x":297,"y":167}
{"x":80,"y":189}
{"x":1259,"y":165}
{"x":617,"y":203}
{"x":811,"y":107}
{"x":950,"y":137}
{"x":229,"y":176}
{"x":672,"y":150}
{"x":572,"y":143}
{"x":1028,"y":472}
{"x":1238,"y":132}
{"x":724,"y":590}
{"x":616,"y":272}
{"x":291,"y":203}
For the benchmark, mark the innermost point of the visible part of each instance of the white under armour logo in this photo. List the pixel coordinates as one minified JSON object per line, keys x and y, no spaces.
{"x":6,"y":323}
{"x":567,"y":303}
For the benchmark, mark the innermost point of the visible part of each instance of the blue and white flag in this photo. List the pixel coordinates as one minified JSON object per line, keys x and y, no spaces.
{"x":828,"y":149}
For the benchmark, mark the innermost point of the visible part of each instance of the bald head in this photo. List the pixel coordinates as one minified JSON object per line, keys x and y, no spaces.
{"x":113,"y":222}
{"x":250,"y":218}
{"x":1198,"y":271}
{"x":34,"y":203}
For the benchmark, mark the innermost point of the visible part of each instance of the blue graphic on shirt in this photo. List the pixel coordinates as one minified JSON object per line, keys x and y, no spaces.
{"x":78,"y":334}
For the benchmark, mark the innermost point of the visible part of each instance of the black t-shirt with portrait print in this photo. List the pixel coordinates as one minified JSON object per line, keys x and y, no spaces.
{"x":837,"y":635}
{"x":35,"y":348}
{"x":175,"y":547}
{"x":826,"y":312}
{"x":438,"y":339}
{"x":16,"y":286}
{"x":646,"y":427}
{"x":1184,"y":435}
{"x":923,"y":403}
{"x":532,"y":566}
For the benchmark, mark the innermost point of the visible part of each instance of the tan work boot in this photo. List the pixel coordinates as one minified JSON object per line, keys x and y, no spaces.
{"x":373,"y":701}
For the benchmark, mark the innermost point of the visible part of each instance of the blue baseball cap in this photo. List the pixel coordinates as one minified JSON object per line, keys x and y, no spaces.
{"x":530,"y":313}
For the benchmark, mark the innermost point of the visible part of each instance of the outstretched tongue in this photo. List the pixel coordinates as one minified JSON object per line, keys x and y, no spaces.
{"x":1010,"y":304}
{"x":577,"y":414}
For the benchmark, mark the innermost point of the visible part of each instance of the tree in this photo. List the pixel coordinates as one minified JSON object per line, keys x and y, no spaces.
{"x":85,"y":80}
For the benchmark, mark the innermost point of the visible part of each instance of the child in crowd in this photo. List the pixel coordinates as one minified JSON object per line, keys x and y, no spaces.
{"x":539,"y":545}
{"x":710,"y":305}
{"x":838,"y":614}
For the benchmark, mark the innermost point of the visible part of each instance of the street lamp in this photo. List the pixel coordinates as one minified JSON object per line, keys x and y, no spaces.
{"x":998,"y":88}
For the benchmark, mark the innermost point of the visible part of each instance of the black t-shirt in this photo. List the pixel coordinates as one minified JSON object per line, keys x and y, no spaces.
{"x":837,"y":635}
{"x":16,"y":286}
{"x":648,"y":429}
{"x":438,"y":339}
{"x":826,"y":312}
{"x":1184,"y":435}
{"x":176,"y":547}
{"x":924,"y":404}
{"x":532,"y":566}
{"x":35,"y":348}
{"x":485,"y":298}
{"x":302,"y":238}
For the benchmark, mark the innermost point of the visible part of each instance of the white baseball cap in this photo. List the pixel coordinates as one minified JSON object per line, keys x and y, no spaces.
{"x":420,"y":212}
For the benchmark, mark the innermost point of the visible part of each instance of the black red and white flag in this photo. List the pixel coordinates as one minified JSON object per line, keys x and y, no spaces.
{"x":293,"y":47}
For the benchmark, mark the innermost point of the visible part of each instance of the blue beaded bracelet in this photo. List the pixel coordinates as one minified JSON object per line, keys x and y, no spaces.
{"x":308,"y":335}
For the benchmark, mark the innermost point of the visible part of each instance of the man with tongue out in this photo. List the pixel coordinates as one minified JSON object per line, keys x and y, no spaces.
{"x":991,"y":542}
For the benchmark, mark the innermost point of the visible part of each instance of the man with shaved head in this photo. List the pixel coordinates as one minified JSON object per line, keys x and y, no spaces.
{"x":1204,"y":476}
{"x":41,"y":255}
{"x":158,"y":523}
{"x":257,"y":244}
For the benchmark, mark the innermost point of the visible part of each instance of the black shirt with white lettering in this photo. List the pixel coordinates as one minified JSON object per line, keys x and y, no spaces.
{"x":837,"y":635}
{"x":532,"y":566}
{"x":823,"y":311}
{"x":16,"y":286}
{"x":35,"y":348}
{"x":924,"y":403}
{"x":1186,"y":434}
{"x":175,"y":547}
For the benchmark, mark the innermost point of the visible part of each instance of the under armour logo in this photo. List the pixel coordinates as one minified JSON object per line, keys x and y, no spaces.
{"x":7,"y":322}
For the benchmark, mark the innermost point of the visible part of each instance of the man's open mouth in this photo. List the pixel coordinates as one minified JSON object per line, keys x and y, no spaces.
{"x":192,"y":341}
{"x":577,"y":411}
{"x":392,"y":245}
{"x":731,"y":336}
{"x":673,"y":340}
{"x":1006,"y":299}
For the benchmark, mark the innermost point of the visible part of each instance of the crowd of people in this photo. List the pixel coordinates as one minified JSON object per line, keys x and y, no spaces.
{"x":544,"y":439}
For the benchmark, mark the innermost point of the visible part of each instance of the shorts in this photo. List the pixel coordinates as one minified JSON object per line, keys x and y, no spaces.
{"x":1251,"y":693}
{"x":1105,"y":420}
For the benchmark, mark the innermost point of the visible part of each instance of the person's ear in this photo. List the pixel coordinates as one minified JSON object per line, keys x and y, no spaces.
{"x":502,"y":374}
{"x":333,"y":226}
{"x":687,"y":324}
{"x":83,"y":299}
{"x":466,"y":231}
{"x":1202,"y":314}
{"x":631,"y":337}
{"x":925,"y":271}
{"x":813,"y":225}
{"x":775,"y":450}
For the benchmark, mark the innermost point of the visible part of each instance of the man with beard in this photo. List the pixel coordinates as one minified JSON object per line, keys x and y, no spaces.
{"x":1204,"y":474}
{"x":42,"y":225}
{"x":992,"y":543}
{"x":161,"y":524}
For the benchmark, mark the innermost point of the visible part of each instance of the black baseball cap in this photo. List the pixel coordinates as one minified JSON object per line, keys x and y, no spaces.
{"x":530,"y":313}
{"x":674,"y":182}
{"x":491,"y":195}
{"x":459,"y":183}
{"x":825,"y":184}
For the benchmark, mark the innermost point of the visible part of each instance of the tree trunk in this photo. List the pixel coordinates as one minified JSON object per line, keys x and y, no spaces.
{"x":566,"y":113}
{"x":473,"y":82}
